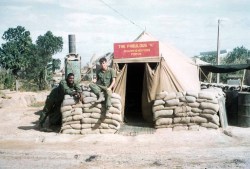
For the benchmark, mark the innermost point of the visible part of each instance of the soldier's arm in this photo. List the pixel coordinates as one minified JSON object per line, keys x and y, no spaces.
{"x":78,"y":88}
{"x":66,"y":88}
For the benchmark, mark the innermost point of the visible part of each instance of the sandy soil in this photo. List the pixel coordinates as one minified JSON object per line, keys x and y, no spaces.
{"x":23,"y":146}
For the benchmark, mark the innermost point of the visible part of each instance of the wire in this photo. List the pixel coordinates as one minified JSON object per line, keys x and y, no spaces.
{"x":121,"y":14}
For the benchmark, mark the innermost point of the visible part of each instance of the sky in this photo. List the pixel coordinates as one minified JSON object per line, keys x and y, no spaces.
{"x":188,"y":25}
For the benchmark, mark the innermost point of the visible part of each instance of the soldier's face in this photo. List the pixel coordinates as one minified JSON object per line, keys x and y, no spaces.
{"x":71,"y":79}
{"x":104,"y":65}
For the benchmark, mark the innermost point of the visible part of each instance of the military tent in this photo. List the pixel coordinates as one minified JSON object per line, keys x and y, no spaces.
{"x":140,"y":79}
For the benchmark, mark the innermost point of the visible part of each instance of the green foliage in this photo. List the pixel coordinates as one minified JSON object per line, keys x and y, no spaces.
{"x":7,"y":80}
{"x":239,"y":55}
{"x":209,"y":58}
{"x":32,"y":63}
{"x":14,"y":53}
{"x":47,"y":45}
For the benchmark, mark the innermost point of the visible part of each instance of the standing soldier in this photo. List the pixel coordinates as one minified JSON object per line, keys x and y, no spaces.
{"x":55,"y":98}
{"x":105,"y":82}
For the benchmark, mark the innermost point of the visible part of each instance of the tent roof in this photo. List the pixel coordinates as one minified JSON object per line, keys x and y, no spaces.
{"x":224,"y":68}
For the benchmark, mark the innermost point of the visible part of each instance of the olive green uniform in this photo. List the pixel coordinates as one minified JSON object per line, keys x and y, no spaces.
{"x":104,"y":80}
{"x":54,"y":101}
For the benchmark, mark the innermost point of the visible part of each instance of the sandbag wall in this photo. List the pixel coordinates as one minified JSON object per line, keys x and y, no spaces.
{"x":187,"y":110}
{"x":89,"y":117}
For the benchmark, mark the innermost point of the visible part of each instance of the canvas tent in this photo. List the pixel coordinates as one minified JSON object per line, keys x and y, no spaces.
{"x":140,"y":79}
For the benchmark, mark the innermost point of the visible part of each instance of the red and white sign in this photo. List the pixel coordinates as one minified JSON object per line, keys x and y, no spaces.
{"x":136,"y":49}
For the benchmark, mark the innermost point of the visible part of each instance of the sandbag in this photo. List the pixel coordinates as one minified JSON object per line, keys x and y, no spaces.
{"x":190,"y":99}
{"x":115,"y":101}
{"x":206,"y":95}
{"x":163,"y":114}
{"x":201,"y":100}
{"x":87,"y":105}
{"x":156,"y":108}
{"x":116,"y":96}
{"x":67,"y":119}
{"x":89,"y":121}
{"x":196,"y":110}
{"x":66,"y":108}
{"x":212,"y":118}
{"x":77,"y":117}
{"x":68,"y":102}
{"x":86,"y":126}
{"x":92,"y":94}
{"x":86,"y":94}
{"x":194,"y":105}
{"x":192,"y":93}
{"x":182,"y":109}
{"x":89,"y":99}
{"x":96,"y":115}
{"x":76,"y":126}
{"x":114,"y":110}
{"x":184,"y":120}
{"x":198,"y":119}
{"x":209,"y":111}
{"x":209,"y":125}
{"x":84,"y":115}
{"x":118,"y":106}
{"x":158,"y":102}
{"x":164,"y":121}
{"x":212,"y":106}
{"x":66,"y":114}
{"x":71,"y":122}
{"x":91,"y":110}
{"x":182,"y":99}
{"x":172,"y":102}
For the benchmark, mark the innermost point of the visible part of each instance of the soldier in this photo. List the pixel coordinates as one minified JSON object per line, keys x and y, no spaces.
{"x":105,"y":81}
{"x":55,"y":98}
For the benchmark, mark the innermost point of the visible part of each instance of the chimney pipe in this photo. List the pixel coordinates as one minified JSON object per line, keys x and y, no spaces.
{"x":72,"y":44}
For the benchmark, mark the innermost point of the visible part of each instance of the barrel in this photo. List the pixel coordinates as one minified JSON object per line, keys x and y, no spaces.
{"x":232,"y":107}
{"x":244,"y":109}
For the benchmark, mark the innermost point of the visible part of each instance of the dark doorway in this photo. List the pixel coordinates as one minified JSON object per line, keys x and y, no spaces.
{"x":134,"y":85}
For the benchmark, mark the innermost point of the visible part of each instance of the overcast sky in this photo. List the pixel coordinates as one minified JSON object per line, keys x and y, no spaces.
{"x":189,"y":25}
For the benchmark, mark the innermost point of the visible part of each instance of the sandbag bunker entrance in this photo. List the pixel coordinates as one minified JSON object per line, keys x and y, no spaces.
{"x":134,"y":85}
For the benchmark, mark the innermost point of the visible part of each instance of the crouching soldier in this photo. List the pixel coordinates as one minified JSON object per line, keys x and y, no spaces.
{"x":55,"y":99}
{"x":105,"y":81}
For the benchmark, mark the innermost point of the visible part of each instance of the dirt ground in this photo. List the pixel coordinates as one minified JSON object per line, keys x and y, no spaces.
{"x":23,"y":146}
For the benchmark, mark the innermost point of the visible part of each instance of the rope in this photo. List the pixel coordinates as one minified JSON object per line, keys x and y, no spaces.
{"x":123,"y":16}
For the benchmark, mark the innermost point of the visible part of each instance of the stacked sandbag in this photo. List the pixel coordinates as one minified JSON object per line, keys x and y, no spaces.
{"x":93,"y":118}
{"x":71,"y":110}
{"x":187,"y":110}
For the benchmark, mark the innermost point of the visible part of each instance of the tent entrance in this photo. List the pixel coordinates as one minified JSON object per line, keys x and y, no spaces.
{"x":134,"y":86}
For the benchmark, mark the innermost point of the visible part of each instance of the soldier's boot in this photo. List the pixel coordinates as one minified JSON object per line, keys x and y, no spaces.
{"x":42,"y":119}
{"x":101,"y":98}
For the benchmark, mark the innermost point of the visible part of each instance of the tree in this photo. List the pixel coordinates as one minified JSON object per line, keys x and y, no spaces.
{"x":56,"y":63}
{"x":239,"y":55}
{"x":14,"y":53}
{"x":47,"y":45}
